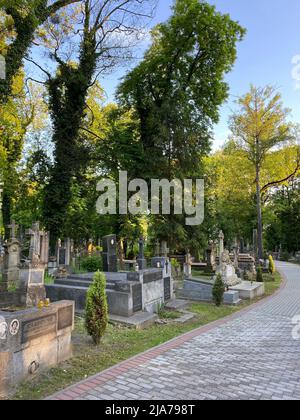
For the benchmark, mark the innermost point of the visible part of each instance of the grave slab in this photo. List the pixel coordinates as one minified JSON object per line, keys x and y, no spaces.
{"x":139,"y":320}
{"x":248,"y":290}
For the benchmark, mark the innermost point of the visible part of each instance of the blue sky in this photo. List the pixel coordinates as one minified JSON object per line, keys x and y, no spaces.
{"x":264,"y":57}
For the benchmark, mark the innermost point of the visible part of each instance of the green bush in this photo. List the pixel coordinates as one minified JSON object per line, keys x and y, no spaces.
{"x":175,"y":263}
{"x":285,"y":256}
{"x":259,"y":275}
{"x":96,"y":318}
{"x":91,"y":264}
{"x":272,"y":267}
{"x":218,"y":291}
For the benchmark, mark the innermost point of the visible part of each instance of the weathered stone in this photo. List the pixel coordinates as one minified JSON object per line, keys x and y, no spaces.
{"x":197,"y":290}
{"x":141,"y":261}
{"x":127,"y":293}
{"x":109,"y":255}
{"x":32,"y":341}
{"x":249,"y":290}
{"x":11,"y":262}
{"x":221,"y":243}
{"x":227,"y":270}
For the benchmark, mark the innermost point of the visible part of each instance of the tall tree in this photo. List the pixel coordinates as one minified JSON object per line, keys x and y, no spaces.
{"x":258,"y":126}
{"x":232,"y":190}
{"x":176,"y":92}
{"x":17,"y":117}
{"x":23,"y":18}
{"x":103,"y":37}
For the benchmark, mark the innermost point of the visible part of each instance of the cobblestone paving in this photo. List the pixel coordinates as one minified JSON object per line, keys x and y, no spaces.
{"x":251,"y":355}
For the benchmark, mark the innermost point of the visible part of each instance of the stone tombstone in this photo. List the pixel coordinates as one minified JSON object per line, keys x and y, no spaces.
{"x":69,"y":249}
{"x":32,"y":341}
{"x":61,"y":256}
{"x":11,"y":264}
{"x":164,"y":249}
{"x":142,"y":262}
{"x":64,"y":252}
{"x":221,"y":243}
{"x":210,"y":258}
{"x":227,"y":270}
{"x":157,"y":249}
{"x":214,"y":254}
{"x":236,"y":252}
{"x":44,"y":260}
{"x":187,"y":268}
{"x":32,"y":278}
{"x":109,"y":255}
{"x":13,"y":227}
{"x":36,"y":245}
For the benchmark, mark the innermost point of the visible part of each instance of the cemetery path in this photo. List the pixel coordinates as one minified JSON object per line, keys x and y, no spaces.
{"x":250,"y":355}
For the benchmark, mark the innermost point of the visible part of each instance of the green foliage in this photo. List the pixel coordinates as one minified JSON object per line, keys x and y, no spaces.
{"x":285,"y":256}
{"x":284,"y":215}
{"x":49,"y":279}
{"x":91,"y":264}
{"x":259,"y":275}
{"x":257,"y":127}
{"x":218,"y":291}
{"x":22,"y":19}
{"x":175,"y":94}
{"x":175,"y":263}
{"x":96,"y":318}
{"x":272,"y":267}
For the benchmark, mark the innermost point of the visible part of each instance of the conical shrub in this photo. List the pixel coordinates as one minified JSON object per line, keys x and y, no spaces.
{"x":218,"y":291}
{"x":96,"y":318}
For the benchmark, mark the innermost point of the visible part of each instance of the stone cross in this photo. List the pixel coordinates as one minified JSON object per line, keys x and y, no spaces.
{"x":13,"y":229}
{"x":35,"y":242}
{"x":221,"y":243}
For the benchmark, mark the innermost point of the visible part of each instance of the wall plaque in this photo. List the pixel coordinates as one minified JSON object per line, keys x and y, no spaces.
{"x":65,"y":318}
{"x":38,"y":327}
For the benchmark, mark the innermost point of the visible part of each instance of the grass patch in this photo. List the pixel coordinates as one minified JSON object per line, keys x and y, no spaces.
{"x":200,"y":273}
{"x":272,"y":283}
{"x":119,"y":344}
{"x":49,"y":279}
{"x":168,"y":314}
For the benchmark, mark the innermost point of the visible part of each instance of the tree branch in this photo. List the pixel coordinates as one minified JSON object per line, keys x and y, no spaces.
{"x":58,"y":5}
{"x":271,"y":184}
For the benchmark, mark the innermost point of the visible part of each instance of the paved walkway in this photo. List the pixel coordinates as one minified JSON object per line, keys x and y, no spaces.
{"x":250,"y":355}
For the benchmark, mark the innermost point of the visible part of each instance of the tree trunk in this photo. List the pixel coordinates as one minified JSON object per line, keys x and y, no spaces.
{"x":6,"y":211}
{"x":259,"y":215}
{"x":67,"y":93}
